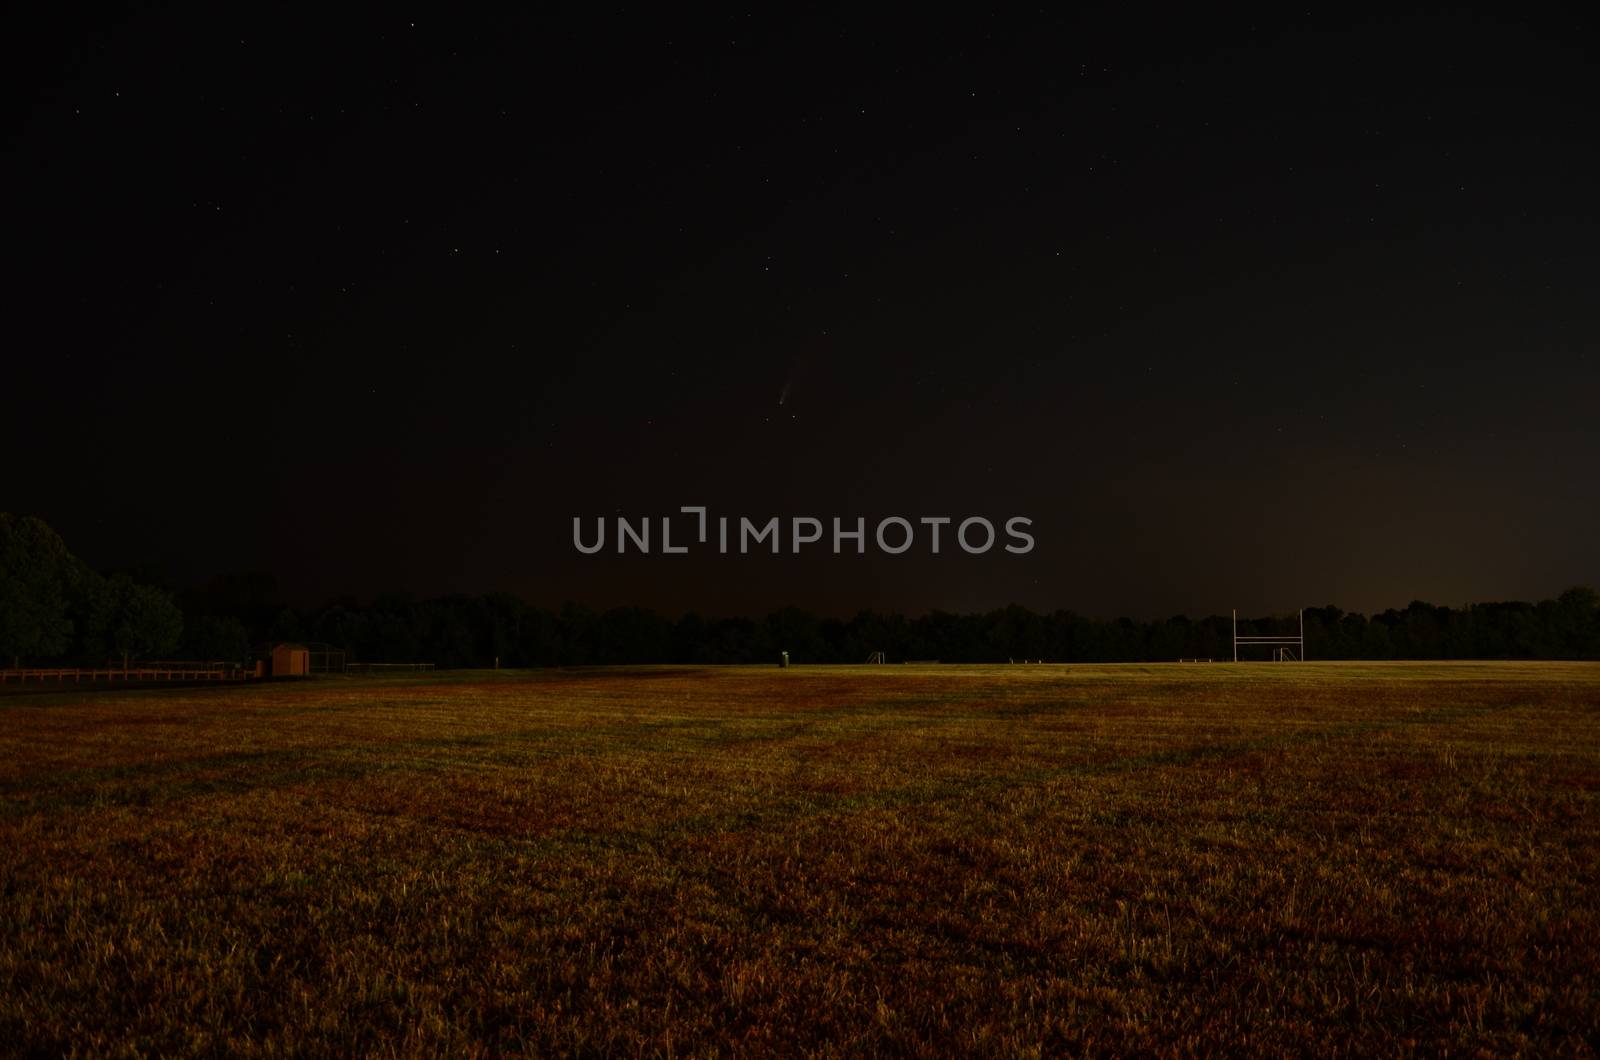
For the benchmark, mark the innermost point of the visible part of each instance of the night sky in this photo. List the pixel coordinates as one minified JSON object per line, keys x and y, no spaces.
{"x":1256,"y":314}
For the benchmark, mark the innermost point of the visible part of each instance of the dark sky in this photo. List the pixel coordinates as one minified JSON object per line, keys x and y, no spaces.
{"x":1240,"y":313}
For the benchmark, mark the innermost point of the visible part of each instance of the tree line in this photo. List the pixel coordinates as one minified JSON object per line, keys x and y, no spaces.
{"x":54,"y":607}
{"x":477,"y":630}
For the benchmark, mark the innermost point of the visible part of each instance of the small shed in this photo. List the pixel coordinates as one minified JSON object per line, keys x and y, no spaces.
{"x":290,"y":660}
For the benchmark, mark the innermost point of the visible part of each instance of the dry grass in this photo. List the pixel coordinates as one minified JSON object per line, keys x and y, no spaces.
{"x":1336,"y":857}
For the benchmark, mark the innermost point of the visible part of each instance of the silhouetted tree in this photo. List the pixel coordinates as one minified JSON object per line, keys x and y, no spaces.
{"x":35,"y":568}
{"x":211,"y":638}
{"x":145,"y":620}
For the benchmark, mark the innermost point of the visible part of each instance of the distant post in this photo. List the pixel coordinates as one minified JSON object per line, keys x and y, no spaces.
{"x":783,"y":660}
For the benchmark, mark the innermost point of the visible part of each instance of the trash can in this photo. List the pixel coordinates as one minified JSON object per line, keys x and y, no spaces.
{"x":783,"y":660}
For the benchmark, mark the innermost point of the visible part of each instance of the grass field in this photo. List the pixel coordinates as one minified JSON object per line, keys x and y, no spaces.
{"x":1382,"y":858}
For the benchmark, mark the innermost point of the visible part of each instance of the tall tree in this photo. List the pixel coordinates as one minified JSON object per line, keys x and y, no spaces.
{"x":146,"y":620}
{"x":34,"y":568}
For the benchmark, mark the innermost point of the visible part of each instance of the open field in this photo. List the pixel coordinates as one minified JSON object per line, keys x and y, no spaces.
{"x":1342,"y":857}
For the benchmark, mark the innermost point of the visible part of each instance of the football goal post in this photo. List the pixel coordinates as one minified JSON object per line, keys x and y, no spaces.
{"x":1285,"y":647}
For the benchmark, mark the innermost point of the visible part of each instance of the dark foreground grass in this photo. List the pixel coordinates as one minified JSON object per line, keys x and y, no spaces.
{"x":1332,"y":858}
